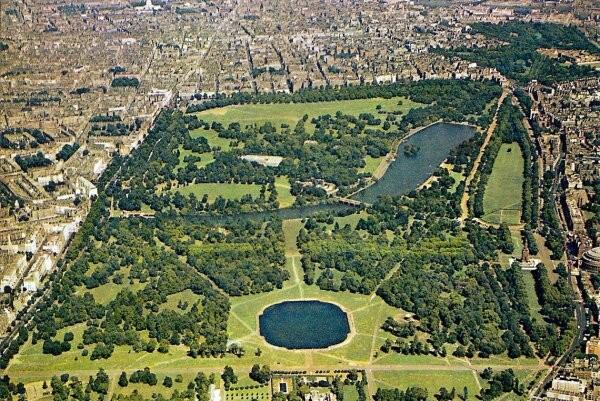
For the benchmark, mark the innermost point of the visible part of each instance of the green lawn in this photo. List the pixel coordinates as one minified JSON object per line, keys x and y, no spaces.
{"x":431,"y":380}
{"x":502,"y":197}
{"x":285,"y":197}
{"x":226,"y":190}
{"x":212,"y":137}
{"x":290,"y":232}
{"x":350,"y":393}
{"x":351,"y":219}
{"x":205,"y":158}
{"x":290,"y":113}
{"x":371,"y":164}
{"x":236,"y":191}
{"x":532,"y":299}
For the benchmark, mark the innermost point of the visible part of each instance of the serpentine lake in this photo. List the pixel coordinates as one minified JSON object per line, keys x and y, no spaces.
{"x":406,"y":173}
{"x":304,"y":325}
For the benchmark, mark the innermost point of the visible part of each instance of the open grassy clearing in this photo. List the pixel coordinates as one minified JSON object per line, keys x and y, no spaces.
{"x":290,"y":113}
{"x":186,"y":296}
{"x":371,"y":164}
{"x":431,"y":380}
{"x":225,"y":190}
{"x":284,"y":196}
{"x":351,"y":219}
{"x":291,"y":228}
{"x":205,"y":158}
{"x":502,"y":197}
{"x":212,"y":137}
{"x":532,"y":299}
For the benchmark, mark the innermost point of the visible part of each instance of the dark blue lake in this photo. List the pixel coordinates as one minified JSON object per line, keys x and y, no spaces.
{"x":304,"y":324}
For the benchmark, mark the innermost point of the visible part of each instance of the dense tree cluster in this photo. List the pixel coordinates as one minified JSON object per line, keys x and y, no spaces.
{"x":8,"y":389}
{"x":500,"y":384}
{"x":121,"y":321}
{"x":67,"y":151}
{"x":551,"y":227}
{"x":427,"y":256}
{"x":241,"y":258}
{"x":105,"y":127}
{"x":123,"y":82}
{"x":152,"y":166}
{"x":32,"y":161}
{"x":520,"y":58}
{"x":7,"y":197}
{"x":593,"y":223}
{"x":558,"y":309}
{"x":28,"y":138}
{"x":410,"y":394}
{"x":260,"y":374}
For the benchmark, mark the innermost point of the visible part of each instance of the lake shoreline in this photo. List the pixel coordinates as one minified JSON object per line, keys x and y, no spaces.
{"x":351,"y":327}
{"x":404,"y":174}
{"x":389,"y":159}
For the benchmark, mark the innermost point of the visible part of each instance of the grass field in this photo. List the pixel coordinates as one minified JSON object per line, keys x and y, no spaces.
{"x":205,"y":158}
{"x":290,"y":113}
{"x":532,"y":299}
{"x":502,"y":198}
{"x":371,"y":164}
{"x":212,"y":137}
{"x":227,"y":191}
{"x":431,"y":380}
{"x":283,"y":187}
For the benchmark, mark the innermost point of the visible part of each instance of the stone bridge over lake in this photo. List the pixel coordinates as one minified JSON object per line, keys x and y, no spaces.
{"x":351,"y":202}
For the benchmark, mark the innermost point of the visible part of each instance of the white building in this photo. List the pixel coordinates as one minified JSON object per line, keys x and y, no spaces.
{"x":12,"y":268}
{"x":86,"y":188}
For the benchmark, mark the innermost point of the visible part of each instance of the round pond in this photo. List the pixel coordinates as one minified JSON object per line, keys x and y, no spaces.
{"x":304,"y":324}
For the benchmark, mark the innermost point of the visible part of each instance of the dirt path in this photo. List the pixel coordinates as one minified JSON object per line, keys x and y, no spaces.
{"x":387,"y":277}
{"x":297,"y":281}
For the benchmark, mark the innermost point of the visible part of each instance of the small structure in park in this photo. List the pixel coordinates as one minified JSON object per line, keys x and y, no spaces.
{"x":526,"y":261}
{"x":316,"y":385}
{"x":264,"y":160}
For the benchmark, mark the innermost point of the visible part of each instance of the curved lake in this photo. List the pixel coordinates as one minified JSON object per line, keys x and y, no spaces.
{"x":407,"y":173}
{"x":304,"y":324}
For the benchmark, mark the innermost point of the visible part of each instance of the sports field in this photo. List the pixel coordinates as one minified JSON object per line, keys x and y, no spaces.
{"x":503,"y":193}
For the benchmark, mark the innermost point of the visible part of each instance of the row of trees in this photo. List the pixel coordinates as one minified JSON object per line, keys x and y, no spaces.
{"x":551,"y":228}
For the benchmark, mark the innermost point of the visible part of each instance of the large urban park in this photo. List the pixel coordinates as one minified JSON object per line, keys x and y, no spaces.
{"x":341,"y":327}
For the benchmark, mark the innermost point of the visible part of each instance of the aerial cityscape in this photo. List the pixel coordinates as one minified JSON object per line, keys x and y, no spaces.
{"x":299,"y":200}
